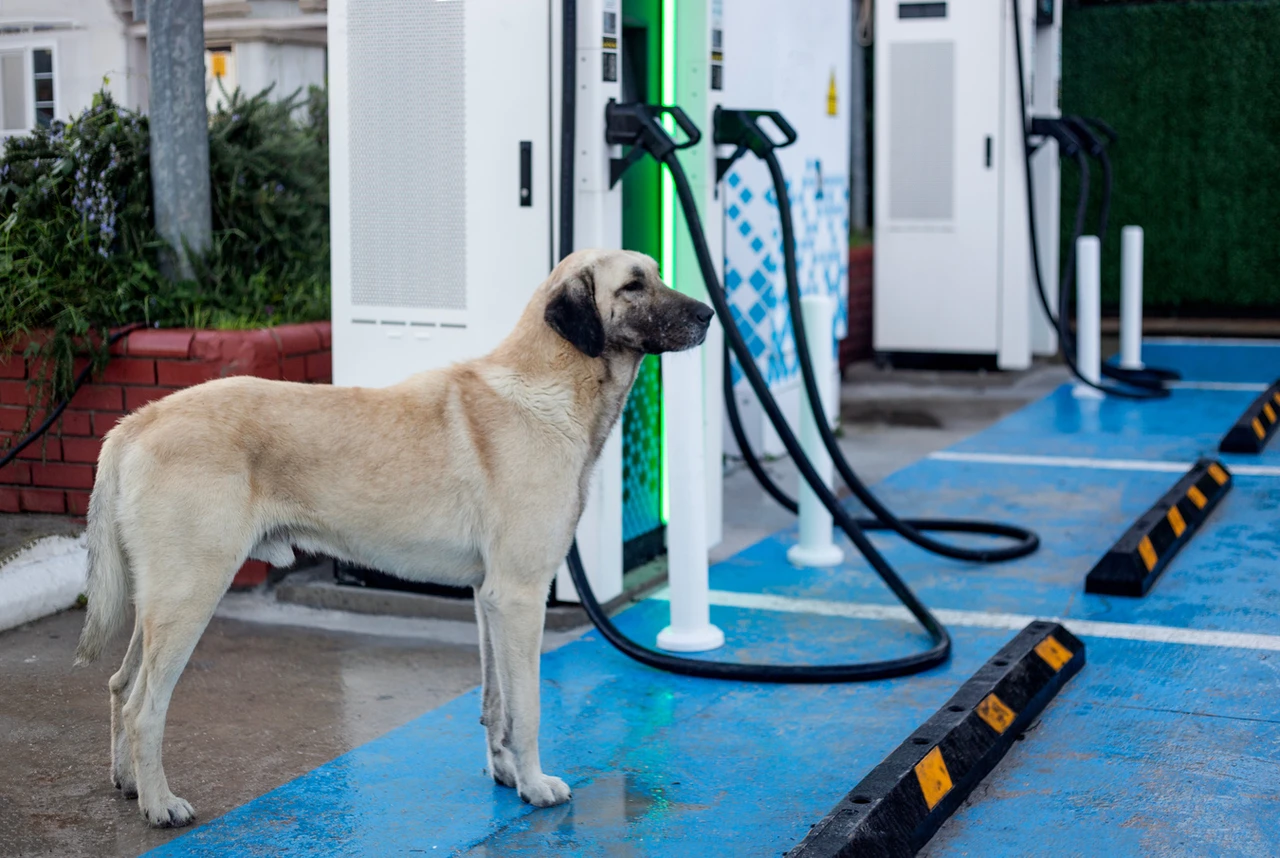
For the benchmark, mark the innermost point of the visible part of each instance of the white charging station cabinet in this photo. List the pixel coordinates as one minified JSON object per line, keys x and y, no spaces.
{"x":953,"y":255}
{"x":435,"y":251}
{"x":444,"y":129}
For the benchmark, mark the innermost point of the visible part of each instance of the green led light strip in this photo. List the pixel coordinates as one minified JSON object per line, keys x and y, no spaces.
{"x":668,"y":206}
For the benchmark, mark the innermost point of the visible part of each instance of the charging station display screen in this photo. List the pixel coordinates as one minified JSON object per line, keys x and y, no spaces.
{"x":922,"y":10}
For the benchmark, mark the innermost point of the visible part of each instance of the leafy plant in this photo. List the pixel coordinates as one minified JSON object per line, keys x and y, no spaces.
{"x":79,"y":252}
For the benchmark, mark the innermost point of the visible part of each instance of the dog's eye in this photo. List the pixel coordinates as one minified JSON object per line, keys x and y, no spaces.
{"x":633,"y":286}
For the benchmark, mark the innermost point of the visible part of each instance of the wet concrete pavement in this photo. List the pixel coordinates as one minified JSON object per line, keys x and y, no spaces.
{"x":257,"y":706}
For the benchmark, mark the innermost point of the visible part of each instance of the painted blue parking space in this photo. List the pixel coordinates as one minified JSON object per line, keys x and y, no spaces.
{"x":1239,"y":361}
{"x":659,"y":764}
{"x":1186,"y":425}
{"x":1225,"y":578}
{"x":1157,"y":747}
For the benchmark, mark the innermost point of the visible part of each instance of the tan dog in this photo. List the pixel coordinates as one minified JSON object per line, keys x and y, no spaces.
{"x":472,"y":475}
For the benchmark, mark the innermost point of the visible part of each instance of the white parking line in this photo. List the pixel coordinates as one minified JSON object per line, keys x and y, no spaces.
{"x":1098,"y":464}
{"x":1246,"y":386}
{"x":988,"y":620}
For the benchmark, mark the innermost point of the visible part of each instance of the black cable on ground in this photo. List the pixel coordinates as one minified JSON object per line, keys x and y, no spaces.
{"x":1068,"y":355}
{"x":910,"y":529}
{"x":788,"y":503}
{"x":80,"y":379}
{"x":937,"y":654}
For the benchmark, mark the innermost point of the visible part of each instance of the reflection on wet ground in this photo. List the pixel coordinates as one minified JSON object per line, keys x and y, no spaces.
{"x":257,"y":706}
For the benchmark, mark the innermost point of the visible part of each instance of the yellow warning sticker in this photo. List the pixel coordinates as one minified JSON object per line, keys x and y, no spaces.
{"x":218,"y":63}
{"x":1148,"y":553}
{"x":831,"y":95}
{"x":1054,"y":654}
{"x":1257,"y":428}
{"x":1219,"y":475}
{"x":1269,"y":411}
{"x":994,"y":711}
{"x":1197,"y":497}
{"x":935,"y":780}
{"x":1176,"y":521}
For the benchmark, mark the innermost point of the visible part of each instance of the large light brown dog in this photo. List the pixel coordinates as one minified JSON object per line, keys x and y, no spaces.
{"x":472,"y":475}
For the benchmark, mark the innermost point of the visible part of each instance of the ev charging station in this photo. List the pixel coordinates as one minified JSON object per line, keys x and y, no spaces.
{"x":953,"y":269}
{"x":445,"y":199}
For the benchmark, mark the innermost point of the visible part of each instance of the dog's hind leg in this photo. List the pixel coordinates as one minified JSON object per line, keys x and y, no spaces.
{"x":172,"y":619}
{"x":121,"y":685}
{"x":493,"y":714}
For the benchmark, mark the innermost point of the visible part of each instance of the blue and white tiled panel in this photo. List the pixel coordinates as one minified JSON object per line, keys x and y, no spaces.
{"x":753,"y":264}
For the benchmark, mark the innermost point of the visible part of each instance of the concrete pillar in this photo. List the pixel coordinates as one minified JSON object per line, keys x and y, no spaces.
{"x":859,"y":191}
{"x":179,"y":130}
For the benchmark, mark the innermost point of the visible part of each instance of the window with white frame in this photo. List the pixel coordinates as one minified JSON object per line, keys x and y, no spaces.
{"x":27,"y":97}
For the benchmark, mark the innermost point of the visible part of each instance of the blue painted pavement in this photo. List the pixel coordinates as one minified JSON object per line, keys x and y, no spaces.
{"x":1154,"y":749}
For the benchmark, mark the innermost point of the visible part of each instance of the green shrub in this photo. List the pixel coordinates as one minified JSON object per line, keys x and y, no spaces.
{"x":79,"y":251}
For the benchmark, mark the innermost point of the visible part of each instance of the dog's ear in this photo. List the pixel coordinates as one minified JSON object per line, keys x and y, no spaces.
{"x":572,"y":314}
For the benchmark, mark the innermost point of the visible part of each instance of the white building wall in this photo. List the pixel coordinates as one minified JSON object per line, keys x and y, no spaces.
{"x":89,"y":43}
{"x":96,"y":43}
{"x":289,"y":67}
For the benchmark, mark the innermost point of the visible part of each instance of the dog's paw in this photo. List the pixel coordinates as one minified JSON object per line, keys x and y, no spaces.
{"x":502,"y":766}
{"x":545,"y":791}
{"x":169,"y":812}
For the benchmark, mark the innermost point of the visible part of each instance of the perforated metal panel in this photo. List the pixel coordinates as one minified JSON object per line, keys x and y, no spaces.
{"x":921,"y":130}
{"x":407,"y":97}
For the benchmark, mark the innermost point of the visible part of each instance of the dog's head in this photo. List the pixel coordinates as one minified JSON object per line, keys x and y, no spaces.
{"x":604,"y":300}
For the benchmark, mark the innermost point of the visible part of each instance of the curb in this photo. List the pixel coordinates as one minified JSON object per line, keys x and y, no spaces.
{"x":44,"y":578}
{"x":902,"y":803}
{"x":1256,"y":426}
{"x":1140,"y":556}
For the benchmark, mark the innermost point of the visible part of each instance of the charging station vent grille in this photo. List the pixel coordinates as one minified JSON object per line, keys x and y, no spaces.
{"x":408,"y":153}
{"x":921,"y":130}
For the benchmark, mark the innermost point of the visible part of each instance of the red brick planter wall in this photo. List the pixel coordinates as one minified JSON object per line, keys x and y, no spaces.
{"x":55,"y":474}
{"x":857,"y":343}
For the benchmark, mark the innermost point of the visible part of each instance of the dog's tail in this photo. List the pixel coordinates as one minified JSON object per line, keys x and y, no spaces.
{"x":108,"y":590}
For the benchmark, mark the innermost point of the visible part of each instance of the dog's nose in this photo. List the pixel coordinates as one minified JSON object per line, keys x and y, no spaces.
{"x":704,"y":314}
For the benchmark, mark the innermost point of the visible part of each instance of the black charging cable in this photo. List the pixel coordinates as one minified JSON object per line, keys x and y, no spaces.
{"x":1066,"y":342}
{"x":647,"y":133}
{"x":1088,"y":132}
{"x":741,"y":128}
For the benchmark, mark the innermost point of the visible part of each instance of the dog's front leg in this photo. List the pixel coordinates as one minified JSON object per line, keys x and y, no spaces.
{"x":514,"y":615}
{"x":493,"y":714}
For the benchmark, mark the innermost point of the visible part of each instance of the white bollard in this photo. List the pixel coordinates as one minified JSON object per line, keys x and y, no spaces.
{"x":691,"y":629}
{"x":816,"y":547}
{"x":1089,"y":315}
{"x":1131,"y":297}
